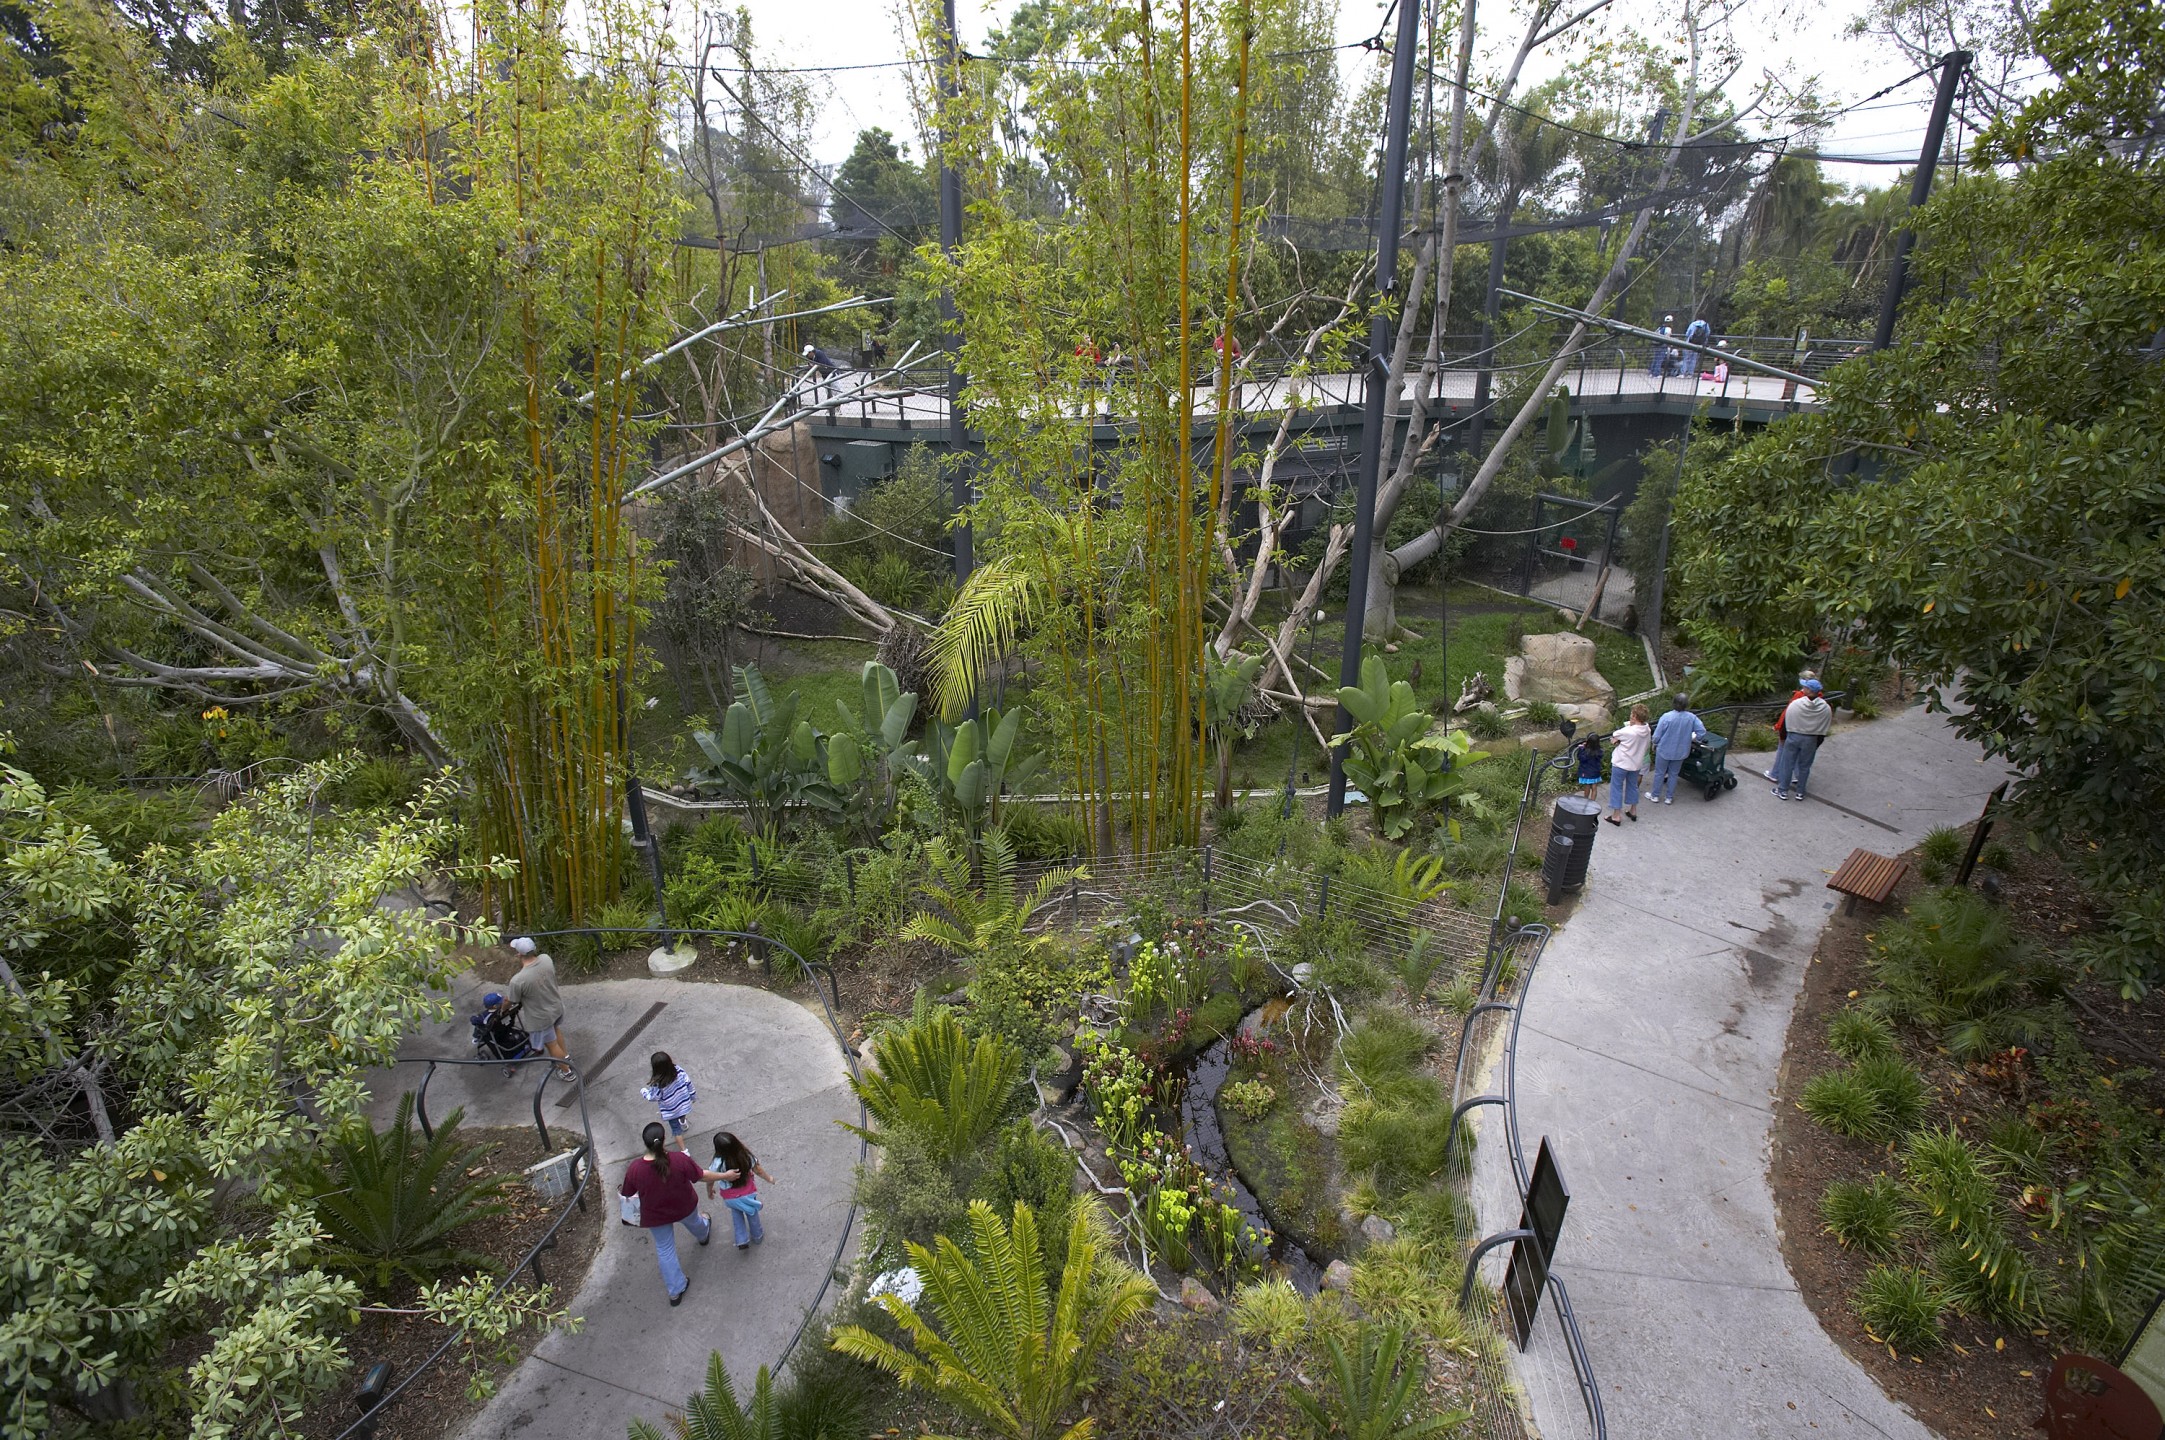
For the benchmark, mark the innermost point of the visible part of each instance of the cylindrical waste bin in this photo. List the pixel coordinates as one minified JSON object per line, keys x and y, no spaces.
{"x":1572,"y":827}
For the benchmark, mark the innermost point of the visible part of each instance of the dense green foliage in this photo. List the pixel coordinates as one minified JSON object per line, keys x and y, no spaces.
{"x":1982,"y":504}
{"x":209,"y":984}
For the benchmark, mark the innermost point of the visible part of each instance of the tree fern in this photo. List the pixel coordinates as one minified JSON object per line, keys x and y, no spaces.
{"x":970,"y":917}
{"x":939,"y":1083}
{"x":998,"y":1344}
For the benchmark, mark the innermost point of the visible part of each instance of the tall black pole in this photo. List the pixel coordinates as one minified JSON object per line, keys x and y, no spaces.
{"x":1920,"y":190}
{"x":1397,"y":124}
{"x":958,"y":428}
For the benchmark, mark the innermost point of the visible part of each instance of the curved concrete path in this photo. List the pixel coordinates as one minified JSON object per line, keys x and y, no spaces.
{"x":768,"y":1068}
{"x":1648,"y":1056}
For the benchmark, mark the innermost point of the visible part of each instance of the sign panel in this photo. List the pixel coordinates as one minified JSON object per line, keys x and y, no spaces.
{"x":1547,"y":1197}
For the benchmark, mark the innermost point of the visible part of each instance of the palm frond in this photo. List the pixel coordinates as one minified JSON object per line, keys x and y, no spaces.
{"x":998,"y":599}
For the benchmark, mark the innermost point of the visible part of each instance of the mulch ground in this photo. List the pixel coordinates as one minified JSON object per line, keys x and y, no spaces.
{"x":1986,"y":1382}
{"x":437,"y":1404}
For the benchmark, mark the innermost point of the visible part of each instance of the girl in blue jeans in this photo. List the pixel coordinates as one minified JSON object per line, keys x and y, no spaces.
{"x":736,"y":1167}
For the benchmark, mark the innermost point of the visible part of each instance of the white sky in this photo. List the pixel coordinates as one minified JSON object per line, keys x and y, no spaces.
{"x":863,"y":32}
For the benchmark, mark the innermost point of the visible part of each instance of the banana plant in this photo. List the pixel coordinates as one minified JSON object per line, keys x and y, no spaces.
{"x":766,"y":757}
{"x":1396,"y":762}
{"x":873,"y":744}
{"x":974,"y":761}
{"x":1228,"y":684}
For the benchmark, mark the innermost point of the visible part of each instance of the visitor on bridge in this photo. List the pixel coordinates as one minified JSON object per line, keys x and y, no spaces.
{"x":1719,"y":371}
{"x":1674,"y":735}
{"x":1589,"y":777}
{"x":824,"y":370}
{"x":1696,"y":334}
{"x":1658,"y":362}
{"x":661,"y":1187}
{"x":734,"y":1161}
{"x":1805,"y":724}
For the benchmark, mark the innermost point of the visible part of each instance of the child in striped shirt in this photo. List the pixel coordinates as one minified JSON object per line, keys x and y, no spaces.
{"x":671,"y":1090}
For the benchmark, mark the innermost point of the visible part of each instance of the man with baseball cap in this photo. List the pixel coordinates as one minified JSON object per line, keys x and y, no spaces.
{"x":1804,"y":726}
{"x":540,"y":1006}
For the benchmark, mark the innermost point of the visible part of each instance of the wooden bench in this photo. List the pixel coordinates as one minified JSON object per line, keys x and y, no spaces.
{"x":1866,"y":876}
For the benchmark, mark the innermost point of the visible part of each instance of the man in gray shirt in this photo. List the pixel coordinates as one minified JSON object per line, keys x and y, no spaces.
{"x":541,"y":1008}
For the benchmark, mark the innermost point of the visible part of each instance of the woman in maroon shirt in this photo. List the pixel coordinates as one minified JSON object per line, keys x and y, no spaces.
{"x":664,"y":1181}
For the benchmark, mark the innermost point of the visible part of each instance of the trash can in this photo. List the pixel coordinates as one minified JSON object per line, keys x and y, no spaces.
{"x":1572,"y":827}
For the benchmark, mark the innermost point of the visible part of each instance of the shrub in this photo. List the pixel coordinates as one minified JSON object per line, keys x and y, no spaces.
{"x":819,"y":1402}
{"x":1932,"y":870}
{"x":1370,"y":1394}
{"x":937,"y":1082}
{"x":1271,"y":1313}
{"x":2021,"y":1144}
{"x":1460,"y":996}
{"x":1542,"y":713}
{"x":809,"y":935}
{"x":378,"y":783}
{"x":910,"y":1196}
{"x":1045,"y":832}
{"x":1382,"y":1050}
{"x":1859,"y":1035}
{"x":1996,"y":856}
{"x":1944,"y":844}
{"x":1954,"y":964}
{"x":1033,"y":1168}
{"x":1249,"y":1099}
{"x":624,"y":925}
{"x":1400,"y":1142}
{"x":1758,"y":739}
{"x":1487,"y":723}
{"x":1867,"y":1215}
{"x":1401,"y":1281}
{"x":391,"y":1200}
{"x":1901,"y":1306}
{"x":1897,"y":1091}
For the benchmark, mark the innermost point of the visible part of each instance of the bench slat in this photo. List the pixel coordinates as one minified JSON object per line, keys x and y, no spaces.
{"x":1868,"y":876}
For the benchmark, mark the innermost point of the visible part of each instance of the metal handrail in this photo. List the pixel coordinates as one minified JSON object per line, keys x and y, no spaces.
{"x":834,"y":1026}
{"x":583,"y":1176}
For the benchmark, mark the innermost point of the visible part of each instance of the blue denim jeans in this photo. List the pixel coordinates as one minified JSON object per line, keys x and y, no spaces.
{"x":1623,"y":787}
{"x":665,"y":1249}
{"x":748,"y":1229}
{"x":1665,"y":772}
{"x":1793,"y":765}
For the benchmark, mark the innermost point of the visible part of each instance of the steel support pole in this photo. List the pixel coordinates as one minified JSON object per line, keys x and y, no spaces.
{"x":1920,"y":190}
{"x":958,"y":429}
{"x":1390,"y":220}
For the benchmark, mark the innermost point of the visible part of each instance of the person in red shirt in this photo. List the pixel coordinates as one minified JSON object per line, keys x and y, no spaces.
{"x":665,"y":1181}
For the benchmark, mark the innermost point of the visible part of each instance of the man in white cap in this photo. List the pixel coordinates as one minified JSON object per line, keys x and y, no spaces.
{"x":823,"y":372}
{"x":541,"y":1008}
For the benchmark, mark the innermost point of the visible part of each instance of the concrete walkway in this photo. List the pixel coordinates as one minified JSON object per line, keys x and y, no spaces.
{"x":768,"y":1068}
{"x":1648,"y":1057}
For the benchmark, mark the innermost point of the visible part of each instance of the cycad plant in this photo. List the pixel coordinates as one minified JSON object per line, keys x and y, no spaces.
{"x":999,"y":1343}
{"x":820,"y":1404}
{"x":392,"y":1199}
{"x":949,"y":1090}
{"x":1371,"y":1395}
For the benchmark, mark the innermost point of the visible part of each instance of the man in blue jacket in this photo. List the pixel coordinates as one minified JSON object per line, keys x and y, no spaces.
{"x":1674,"y":735}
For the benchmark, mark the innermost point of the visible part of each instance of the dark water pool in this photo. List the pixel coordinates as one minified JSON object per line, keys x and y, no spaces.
{"x":1205,"y":1139}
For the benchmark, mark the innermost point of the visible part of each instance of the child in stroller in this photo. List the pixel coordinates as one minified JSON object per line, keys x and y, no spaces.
{"x":497,"y":1032}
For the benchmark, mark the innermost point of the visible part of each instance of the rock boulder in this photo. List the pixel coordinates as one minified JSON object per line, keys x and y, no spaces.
{"x":1556,"y":668}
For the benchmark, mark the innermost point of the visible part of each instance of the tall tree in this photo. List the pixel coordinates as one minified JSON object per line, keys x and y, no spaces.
{"x":1981,"y":504}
